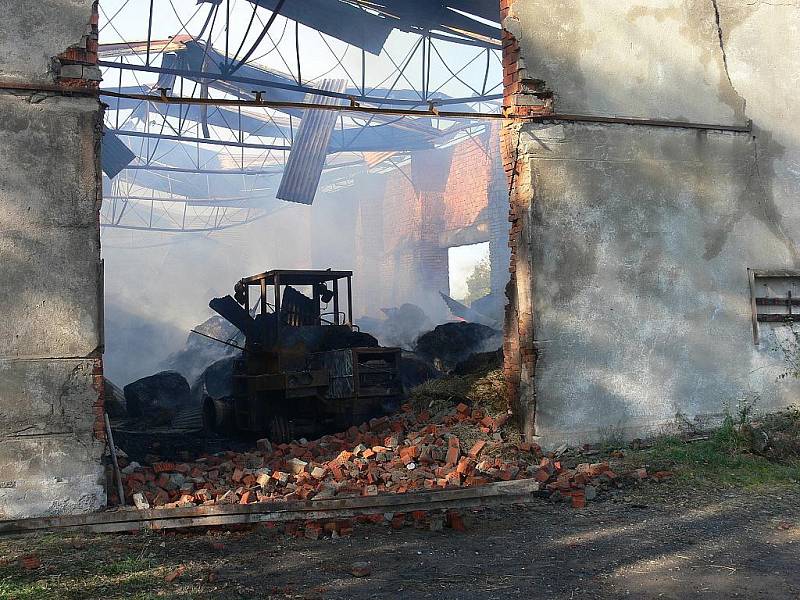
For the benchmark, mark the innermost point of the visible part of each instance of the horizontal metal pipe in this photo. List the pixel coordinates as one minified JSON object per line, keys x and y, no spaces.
{"x":746,"y":128}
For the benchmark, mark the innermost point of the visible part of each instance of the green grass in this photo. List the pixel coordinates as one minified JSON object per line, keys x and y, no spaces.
{"x":106,"y":581}
{"x":723,"y":459}
{"x":74,"y":566}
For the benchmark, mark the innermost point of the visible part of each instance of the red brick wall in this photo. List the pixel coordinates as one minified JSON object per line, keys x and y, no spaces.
{"x":522,"y":96}
{"x":469,"y":184}
{"x":441,"y":191}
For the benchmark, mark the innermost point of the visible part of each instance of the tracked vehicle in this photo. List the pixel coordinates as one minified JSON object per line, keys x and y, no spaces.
{"x":305,"y":369}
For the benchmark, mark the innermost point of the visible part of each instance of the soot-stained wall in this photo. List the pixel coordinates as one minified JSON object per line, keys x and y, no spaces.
{"x":636,"y":239}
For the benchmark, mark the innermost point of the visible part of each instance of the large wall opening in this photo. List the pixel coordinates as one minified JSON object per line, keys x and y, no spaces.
{"x":411,"y":196}
{"x":469,"y":272}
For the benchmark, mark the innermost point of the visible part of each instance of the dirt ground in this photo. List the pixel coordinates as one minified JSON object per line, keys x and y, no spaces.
{"x":663,"y":540}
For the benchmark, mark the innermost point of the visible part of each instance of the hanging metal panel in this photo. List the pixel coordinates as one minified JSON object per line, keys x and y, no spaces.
{"x":310,"y":148}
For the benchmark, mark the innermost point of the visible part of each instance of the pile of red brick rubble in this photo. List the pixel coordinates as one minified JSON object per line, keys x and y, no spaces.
{"x":390,"y":455}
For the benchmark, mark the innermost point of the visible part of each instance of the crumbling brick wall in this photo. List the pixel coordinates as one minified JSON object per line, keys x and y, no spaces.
{"x":453,"y":197}
{"x":521,"y":96}
{"x":77,"y":65}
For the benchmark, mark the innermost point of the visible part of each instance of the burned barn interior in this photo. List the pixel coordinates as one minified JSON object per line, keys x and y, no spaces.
{"x":352,"y":162}
{"x":272,"y":253}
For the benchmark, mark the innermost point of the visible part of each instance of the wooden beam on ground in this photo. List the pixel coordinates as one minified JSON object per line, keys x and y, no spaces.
{"x":493,"y":494}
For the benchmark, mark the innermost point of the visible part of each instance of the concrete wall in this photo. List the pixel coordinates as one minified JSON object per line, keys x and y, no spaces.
{"x":639,"y":237}
{"x":50,"y":272}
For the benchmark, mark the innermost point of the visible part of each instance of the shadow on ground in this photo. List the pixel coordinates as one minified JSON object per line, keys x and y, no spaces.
{"x":661,"y":540}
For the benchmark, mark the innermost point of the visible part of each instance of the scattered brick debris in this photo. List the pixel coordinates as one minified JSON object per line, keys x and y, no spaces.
{"x":455,"y":521}
{"x":408,"y":452}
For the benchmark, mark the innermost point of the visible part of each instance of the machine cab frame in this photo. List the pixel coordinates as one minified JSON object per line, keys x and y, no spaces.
{"x":279,"y":279}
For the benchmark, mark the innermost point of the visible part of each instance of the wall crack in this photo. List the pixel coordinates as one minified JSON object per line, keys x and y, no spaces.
{"x":722,"y":42}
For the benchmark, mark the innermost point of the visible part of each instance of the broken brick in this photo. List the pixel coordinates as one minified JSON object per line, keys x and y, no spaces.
{"x":452,"y":456}
{"x":476,"y":449}
{"x":455,"y":521}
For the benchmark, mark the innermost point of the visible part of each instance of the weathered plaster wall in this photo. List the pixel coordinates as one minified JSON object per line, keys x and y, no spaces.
{"x":638,"y":237}
{"x":51,"y":442}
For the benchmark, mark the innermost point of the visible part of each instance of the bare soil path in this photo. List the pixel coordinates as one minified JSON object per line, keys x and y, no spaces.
{"x":656,"y":541}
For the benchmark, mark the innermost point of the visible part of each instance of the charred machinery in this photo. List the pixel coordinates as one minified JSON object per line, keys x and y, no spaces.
{"x":304,"y":368}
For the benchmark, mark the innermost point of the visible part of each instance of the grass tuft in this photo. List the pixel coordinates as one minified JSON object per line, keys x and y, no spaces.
{"x":725,"y":458}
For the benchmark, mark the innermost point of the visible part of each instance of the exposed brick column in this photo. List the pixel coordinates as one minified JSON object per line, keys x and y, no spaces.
{"x":432,"y":259}
{"x":77,"y":65}
{"x":522,"y":96}
{"x":430,"y":170}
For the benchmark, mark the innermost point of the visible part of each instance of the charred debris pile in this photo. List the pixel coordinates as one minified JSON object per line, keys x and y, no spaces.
{"x":452,"y":430}
{"x":161,"y":417}
{"x":283,"y":360}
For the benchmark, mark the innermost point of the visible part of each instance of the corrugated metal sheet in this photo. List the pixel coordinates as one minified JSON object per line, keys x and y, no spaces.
{"x":309,"y":148}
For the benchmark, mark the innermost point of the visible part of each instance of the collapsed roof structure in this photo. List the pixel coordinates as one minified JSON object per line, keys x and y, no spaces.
{"x":248,"y":156}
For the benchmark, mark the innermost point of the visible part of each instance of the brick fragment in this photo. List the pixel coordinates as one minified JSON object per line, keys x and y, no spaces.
{"x":452,"y":456}
{"x":455,"y":521}
{"x":29,"y":562}
{"x":312,"y":530}
{"x":476,"y":449}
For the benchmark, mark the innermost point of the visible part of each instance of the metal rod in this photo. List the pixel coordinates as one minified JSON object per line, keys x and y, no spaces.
{"x":113,"y":449}
{"x":194,"y":140}
{"x":149,"y":32}
{"x":276,"y":11}
{"x":540,"y":118}
{"x":231,"y":344}
{"x":536,"y":118}
{"x":246,"y":171}
{"x":297,"y":51}
{"x":310,"y":105}
{"x":227,"y":29}
{"x":244,"y":39}
{"x":335,"y":301}
{"x":424,"y":70}
{"x":349,"y":301}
